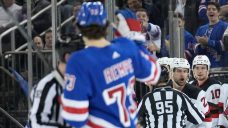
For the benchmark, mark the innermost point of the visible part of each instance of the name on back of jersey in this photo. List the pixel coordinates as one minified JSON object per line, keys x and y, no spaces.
{"x":118,"y":71}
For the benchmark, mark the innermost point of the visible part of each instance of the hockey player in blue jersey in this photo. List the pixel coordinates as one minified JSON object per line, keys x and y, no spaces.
{"x":99,"y":79}
{"x":209,"y":37}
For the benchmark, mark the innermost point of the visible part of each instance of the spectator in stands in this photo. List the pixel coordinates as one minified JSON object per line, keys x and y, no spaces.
{"x":151,"y":31}
{"x":209,"y":37}
{"x":66,"y":12}
{"x":224,"y":13}
{"x":72,"y":29}
{"x":153,"y":12}
{"x":203,"y":9}
{"x":189,"y":40}
{"x":48,"y":45}
{"x":38,"y":43}
{"x":6,"y":21}
{"x":76,"y":7}
{"x":20,"y":2}
{"x":43,"y":21}
{"x":189,"y":9}
{"x":48,"y":40}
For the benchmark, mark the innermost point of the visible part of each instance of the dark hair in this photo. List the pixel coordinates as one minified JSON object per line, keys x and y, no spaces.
{"x":200,"y":64}
{"x":179,"y":15}
{"x":93,"y":31}
{"x":102,"y":1}
{"x":48,"y":31}
{"x":215,"y":4}
{"x":66,"y":48}
{"x":142,"y":10}
{"x":164,"y":77}
{"x":174,"y":69}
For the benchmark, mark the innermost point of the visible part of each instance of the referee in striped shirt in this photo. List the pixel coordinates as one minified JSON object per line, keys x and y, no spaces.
{"x":166,"y":107}
{"x":46,"y":107}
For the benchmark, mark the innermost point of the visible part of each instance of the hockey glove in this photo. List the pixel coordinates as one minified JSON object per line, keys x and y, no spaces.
{"x":128,"y":26}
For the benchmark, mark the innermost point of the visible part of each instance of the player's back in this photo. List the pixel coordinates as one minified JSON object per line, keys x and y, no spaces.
{"x":114,"y":72}
{"x":107,"y":82}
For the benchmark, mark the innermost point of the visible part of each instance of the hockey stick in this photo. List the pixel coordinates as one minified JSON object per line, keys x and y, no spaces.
{"x":11,"y":118}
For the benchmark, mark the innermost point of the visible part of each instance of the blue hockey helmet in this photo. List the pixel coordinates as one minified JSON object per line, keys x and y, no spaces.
{"x":92,"y":13}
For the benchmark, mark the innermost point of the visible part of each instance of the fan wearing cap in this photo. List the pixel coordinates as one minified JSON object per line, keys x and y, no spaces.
{"x":201,"y":68}
{"x":99,"y":79}
{"x":180,"y":69}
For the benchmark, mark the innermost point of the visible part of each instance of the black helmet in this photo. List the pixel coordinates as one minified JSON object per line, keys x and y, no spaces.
{"x":66,"y":47}
{"x":164,"y":77}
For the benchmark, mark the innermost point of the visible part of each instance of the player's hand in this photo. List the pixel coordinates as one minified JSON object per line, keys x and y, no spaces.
{"x":152,"y":47}
{"x":139,"y":125}
{"x":128,"y":26}
{"x":144,"y":26}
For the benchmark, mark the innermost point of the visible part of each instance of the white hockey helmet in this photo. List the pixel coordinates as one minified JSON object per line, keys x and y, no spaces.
{"x":201,"y":59}
{"x":180,"y":63}
{"x":163,"y":61}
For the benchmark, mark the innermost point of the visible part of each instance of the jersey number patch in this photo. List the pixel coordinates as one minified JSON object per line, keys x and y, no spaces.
{"x":164,"y":107}
{"x":215,"y":93}
{"x":117,"y":95}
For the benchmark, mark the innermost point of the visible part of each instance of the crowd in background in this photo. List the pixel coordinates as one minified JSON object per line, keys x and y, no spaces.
{"x":204,"y":25}
{"x":191,"y":15}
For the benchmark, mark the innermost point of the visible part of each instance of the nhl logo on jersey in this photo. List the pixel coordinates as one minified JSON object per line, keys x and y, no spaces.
{"x":69,"y":82}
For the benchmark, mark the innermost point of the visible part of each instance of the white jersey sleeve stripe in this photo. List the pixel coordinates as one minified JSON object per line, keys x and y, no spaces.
{"x":101,"y":123}
{"x":74,"y":103}
{"x":155,"y":71}
{"x":193,"y":112}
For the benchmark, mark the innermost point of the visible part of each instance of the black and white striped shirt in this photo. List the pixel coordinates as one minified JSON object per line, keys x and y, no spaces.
{"x":45,"y":111}
{"x":165,"y":107}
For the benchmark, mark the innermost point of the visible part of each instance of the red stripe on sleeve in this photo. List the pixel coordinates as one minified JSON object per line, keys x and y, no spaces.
{"x":209,"y":119}
{"x":75,"y":110}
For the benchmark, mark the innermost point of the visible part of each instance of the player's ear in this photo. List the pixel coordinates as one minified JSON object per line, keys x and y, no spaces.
{"x":208,"y":72}
{"x":66,"y":57}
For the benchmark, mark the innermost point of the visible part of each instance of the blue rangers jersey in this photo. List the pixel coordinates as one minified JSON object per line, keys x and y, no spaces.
{"x":99,"y":84}
{"x":214,"y":49}
{"x":202,"y":11}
